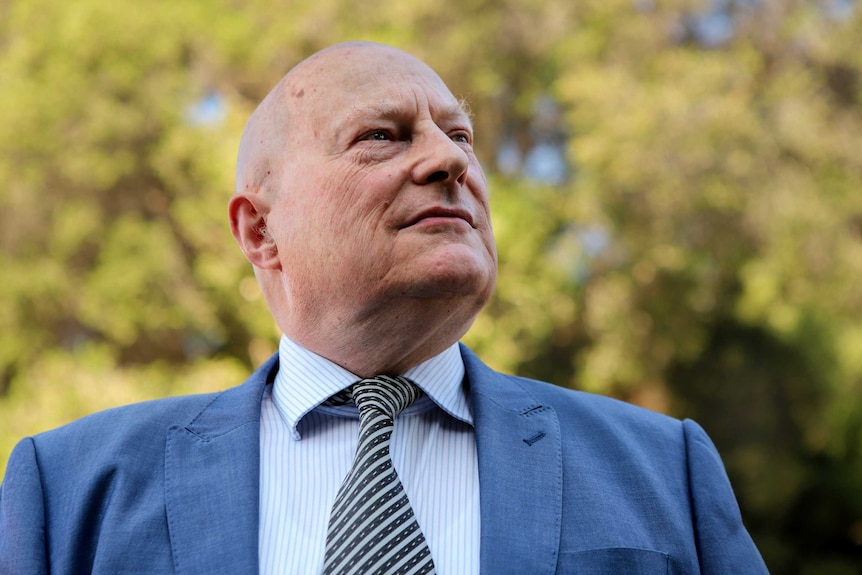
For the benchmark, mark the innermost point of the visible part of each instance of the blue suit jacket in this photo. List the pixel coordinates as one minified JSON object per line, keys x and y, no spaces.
{"x":569,"y":483}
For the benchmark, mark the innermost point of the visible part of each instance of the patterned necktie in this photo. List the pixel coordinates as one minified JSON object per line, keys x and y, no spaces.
{"x":372,"y":529}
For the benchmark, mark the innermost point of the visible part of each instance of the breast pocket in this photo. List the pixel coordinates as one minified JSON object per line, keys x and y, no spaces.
{"x":614,"y":561}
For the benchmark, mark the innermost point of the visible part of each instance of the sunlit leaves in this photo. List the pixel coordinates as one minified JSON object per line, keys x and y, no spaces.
{"x":703,"y":256}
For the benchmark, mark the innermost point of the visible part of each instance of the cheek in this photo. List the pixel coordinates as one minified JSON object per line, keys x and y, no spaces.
{"x":484,"y":225}
{"x":483,"y":207}
{"x":344,"y":229}
{"x":356,"y":203}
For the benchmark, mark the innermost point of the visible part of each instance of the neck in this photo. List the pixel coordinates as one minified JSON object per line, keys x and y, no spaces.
{"x":389,"y":341}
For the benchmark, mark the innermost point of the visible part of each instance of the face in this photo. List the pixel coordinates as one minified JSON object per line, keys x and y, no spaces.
{"x":380,"y":194}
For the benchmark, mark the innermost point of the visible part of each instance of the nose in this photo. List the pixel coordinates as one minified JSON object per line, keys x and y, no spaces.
{"x":439,"y":159}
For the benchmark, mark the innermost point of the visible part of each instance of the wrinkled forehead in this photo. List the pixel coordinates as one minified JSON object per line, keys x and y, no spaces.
{"x":367,"y":77}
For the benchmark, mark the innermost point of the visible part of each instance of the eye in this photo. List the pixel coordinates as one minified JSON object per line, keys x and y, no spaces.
{"x":461,"y":138}
{"x":378,"y":136}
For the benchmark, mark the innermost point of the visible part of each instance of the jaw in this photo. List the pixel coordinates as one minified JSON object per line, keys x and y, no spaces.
{"x":444,"y":265}
{"x":400,"y":322}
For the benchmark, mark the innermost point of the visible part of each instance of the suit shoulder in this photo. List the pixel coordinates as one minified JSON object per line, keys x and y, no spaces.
{"x":138,"y":431}
{"x":557,"y":395}
{"x":512,"y":391}
{"x":139,"y":422}
{"x":585,"y":410}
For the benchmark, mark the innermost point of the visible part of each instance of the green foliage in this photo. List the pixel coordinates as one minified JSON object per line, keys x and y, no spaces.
{"x":721,"y":184}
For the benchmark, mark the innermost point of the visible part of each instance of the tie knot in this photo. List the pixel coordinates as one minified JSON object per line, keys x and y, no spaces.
{"x":389,"y":395}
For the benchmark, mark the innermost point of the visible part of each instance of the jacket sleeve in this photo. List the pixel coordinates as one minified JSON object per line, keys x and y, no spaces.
{"x":723,"y":543}
{"x":22,"y":515}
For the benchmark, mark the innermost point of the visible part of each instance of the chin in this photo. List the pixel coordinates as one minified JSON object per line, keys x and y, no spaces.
{"x":453,"y":285}
{"x":456,"y":270}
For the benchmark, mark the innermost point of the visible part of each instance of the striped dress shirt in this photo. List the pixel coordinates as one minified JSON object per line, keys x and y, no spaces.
{"x":307,"y":449}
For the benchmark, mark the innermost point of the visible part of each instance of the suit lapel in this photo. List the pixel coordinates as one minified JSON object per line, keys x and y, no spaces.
{"x":520,"y":474}
{"x":212,"y":467}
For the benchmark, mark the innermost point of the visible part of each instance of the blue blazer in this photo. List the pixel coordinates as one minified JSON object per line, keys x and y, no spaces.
{"x":569,"y":483}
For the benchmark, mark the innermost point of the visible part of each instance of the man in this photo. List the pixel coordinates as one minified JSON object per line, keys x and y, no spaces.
{"x":364,"y":212}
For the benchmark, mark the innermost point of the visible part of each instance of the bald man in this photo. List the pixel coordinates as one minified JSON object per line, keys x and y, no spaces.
{"x":372,"y":442}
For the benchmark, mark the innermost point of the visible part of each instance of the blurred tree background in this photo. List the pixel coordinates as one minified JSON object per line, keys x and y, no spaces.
{"x":676,"y":190}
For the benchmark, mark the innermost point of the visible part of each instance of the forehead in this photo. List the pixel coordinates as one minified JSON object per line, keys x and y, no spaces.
{"x":373,"y":81}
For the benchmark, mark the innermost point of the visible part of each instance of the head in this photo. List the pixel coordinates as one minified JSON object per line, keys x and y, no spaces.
{"x":361,"y":204}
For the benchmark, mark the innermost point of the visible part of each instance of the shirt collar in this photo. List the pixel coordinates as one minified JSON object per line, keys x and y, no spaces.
{"x":305,"y":380}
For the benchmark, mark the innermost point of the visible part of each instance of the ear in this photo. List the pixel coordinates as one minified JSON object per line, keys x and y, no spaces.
{"x":248,"y":225}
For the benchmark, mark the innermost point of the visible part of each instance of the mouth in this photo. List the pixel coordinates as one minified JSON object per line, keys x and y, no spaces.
{"x":440,"y":214}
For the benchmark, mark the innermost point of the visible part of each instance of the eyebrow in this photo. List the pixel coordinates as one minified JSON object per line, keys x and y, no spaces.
{"x":463,"y":107}
{"x":450,"y":112}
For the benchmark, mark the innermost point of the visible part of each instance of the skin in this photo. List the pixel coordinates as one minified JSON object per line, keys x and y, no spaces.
{"x":364,"y":211}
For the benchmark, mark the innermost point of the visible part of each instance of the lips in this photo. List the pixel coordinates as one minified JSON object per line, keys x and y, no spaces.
{"x":451,"y":213}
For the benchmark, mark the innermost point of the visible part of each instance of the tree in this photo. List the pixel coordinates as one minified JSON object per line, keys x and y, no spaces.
{"x":700,"y":259}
